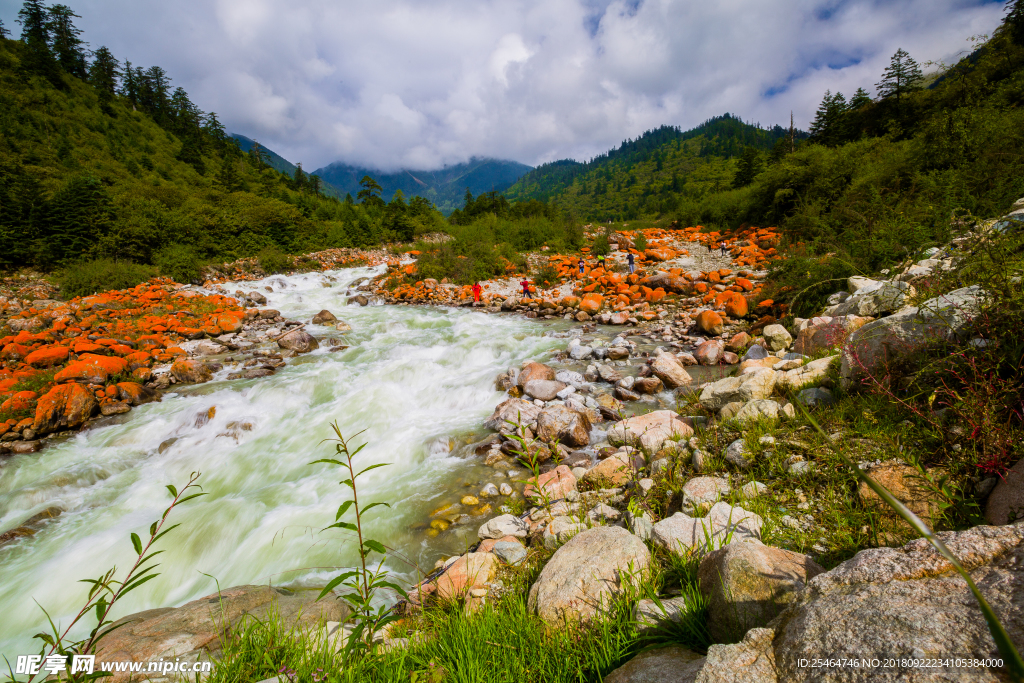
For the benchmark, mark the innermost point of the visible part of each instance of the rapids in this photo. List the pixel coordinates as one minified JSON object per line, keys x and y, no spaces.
{"x":417,"y":380}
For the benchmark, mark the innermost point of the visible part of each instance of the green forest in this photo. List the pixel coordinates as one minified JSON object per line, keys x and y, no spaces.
{"x":103,"y":161}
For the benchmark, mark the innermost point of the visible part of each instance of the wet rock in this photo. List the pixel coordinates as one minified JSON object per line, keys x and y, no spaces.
{"x":115,"y":408}
{"x":543,"y":389}
{"x":343,"y":327}
{"x":534,"y":371}
{"x":670,"y":371}
{"x":269,"y":314}
{"x":324,"y":317}
{"x":505,"y":525}
{"x":554,"y":485}
{"x":358,"y":299}
{"x":748,"y":584}
{"x":710,"y":352}
{"x":190,"y":371}
{"x":298,"y":341}
{"x":66,"y":406}
{"x":580,"y":578}
{"x":648,"y":385}
{"x":514,"y":410}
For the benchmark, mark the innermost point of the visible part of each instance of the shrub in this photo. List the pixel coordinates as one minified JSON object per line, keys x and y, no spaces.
{"x":89,"y":277}
{"x":640,"y":243}
{"x":273,"y":260}
{"x":178,"y":262}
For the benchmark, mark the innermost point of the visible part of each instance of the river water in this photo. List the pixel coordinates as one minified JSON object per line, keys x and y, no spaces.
{"x":418,"y":380}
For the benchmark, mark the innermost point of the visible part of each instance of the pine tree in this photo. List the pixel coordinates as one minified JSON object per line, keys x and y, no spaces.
{"x":859,"y":99}
{"x":64,"y":41}
{"x":227,"y":176}
{"x":902,"y":76}
{"x":130,"y":83}
{"x":828,"y":126}
{"x":213,"y":127}
{"x":1014,"y":22}
{"x":299,"y":179}
{"x":370,"y":194}
{"x":3,"y":31}
{"x":749,"y":166}
{"x":35,"y":33}
{"x":103,"y":73}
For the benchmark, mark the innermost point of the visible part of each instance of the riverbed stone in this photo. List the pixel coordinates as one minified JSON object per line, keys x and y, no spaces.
{"x":615,"y":470}
{"x":757,"y":384}
{"x":777,"y":337}
{"x":561,"y":423}
{"x":582,"y":575}
{"x":670,"y":371}
{"x":649,"y":431}
{"x":680,"y":532}
{"x":324,"y":317}
{"x":66,"y":406}
{"x":709,"y":352}
{"x":509,"y":552}
{"x":514,"y":410}
{"x":504,"y":525}
{"x":298,"y":341}
{"x":758,"y":409}
{"x":543,"y":389}
{"x":532,"y":371}
{"x":190,"y":371}
{"x":469,"y":571}
{"x":671,"y":664}
{"x":701,"y":491}
{"x":553,"y":485}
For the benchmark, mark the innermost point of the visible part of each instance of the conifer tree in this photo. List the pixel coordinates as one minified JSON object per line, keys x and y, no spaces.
{"x":130,"y":83}
{"x":299,"y":180}
{"x":370,"y":194}
{"x":1014,"y":22}
{"x":902,"y":76}
{"x":35,"y":33}
{"x":859,"y":99}
{"x":227,"y":176}
{"x":749,"y":166}
{"x":828,"y":127}
{"x":3,"y":31}
{"x":213,"y":127}
{"x":103,"y":73}
{"x":67,"y":48}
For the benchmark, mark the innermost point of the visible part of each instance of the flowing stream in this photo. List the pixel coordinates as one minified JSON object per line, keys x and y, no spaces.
{"x":418,"y":380}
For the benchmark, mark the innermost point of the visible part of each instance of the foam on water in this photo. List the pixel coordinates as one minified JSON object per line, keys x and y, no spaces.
{"x":414,"y":379}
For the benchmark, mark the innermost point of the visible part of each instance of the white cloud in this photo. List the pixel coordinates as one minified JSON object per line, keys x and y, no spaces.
{"x":408,"y":82}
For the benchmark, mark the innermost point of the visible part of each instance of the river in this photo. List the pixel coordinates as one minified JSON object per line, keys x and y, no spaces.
{"x":417,"y":380}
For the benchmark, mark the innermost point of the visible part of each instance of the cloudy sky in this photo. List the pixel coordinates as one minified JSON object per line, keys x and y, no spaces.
{"x":419,"y":83}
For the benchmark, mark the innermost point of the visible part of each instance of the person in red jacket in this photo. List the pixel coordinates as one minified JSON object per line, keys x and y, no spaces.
{"x":476,"y":291}
{"x":526,"y":287}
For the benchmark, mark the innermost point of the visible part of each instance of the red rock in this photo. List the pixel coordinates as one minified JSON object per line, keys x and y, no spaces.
{"x":67,"y":406}
{"x":736,"y":307}
{"x":555,"y":484}
{"x":230,"y":322}
{"x":23,"y":400}
{"x":92,"y":369}
{"x":48,"y":356}
{"x":738,"y":342}
{"x":190,"y":371}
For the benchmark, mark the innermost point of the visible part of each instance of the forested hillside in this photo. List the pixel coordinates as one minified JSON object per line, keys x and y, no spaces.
{"x":649,"y":175}
{"x":104,"y":160}
{"x":444,"y":187}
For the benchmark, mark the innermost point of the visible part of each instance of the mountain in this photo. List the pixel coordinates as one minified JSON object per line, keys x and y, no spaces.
{"x":276,"y":161}
{"x":648,"y":175}
{"x":445,"y":187}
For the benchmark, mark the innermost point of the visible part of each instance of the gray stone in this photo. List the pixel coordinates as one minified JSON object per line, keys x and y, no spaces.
{"x":755,"y":352}
{"x":812,"y":374}
{"x":649,"y":431}
{"x":777,"y":337}
{"x":505,"y":525}
{"x":580,"y":578}
{"x":509,"y":552}
{"x":876,"y":299}
{"x":701,"y":491}
{"x":573,"y":379}
{"x":1006,"y":502}
{"x":580,"y":352}
{"x":649,"y":615}
{"x":680,"y":532}
{"x":639,"y":525}
{"x":748,"y":584}
{"x":758,"y":409}
{"x":543,"y":389}
{"x":738,"y":454}
{"x":514,"y":410}
{"x":609,"y":374}
{"x":670,"y":371}
{"x":815,"y":397}
{"x":672,"y":664}
{"x":561,"y":423}
{"x":754,"y":385}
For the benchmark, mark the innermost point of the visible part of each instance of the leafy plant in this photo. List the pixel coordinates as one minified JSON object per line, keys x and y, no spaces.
{"x":363,"y":583}
{"x":107,"y":590}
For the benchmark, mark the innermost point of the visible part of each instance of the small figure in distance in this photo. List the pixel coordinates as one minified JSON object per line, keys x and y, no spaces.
{"x":476,"y":292}
{"x":723,"y":246}
{"x":632,"y":264}
{"x":581,"y":267}
{"x":525,"y":284}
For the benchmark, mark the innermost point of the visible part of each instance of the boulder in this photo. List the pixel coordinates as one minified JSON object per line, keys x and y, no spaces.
{"x":889,"y":340}
{"x":755,"y":352}
{"x":723,"y":523}
{"x":342,"y":326}
{"x":649,"y":615}
{"x":907,"y":603}
{"x":756,"y":384}
{"x":815,"y":397}
{"x":710,"y":352}
{"x":469,"y":571}
{"x":649,"y":431}
{"x":561,"y":423}
{"x":505,"y":525}
{"x":514,"y":410}
{"x":1006,"y":502}
{"x":738,"y":454}
{"x":908,"y":485}
{"x":777,"y":337}
{"x":193,"y":632}
{"x":608,"y":373}
{"x":298,"y":341}
{"x":533,"y":371}
{"x":92,"y":369}
{"x":812,"y":374}
{"x":580,"y":578}
{"x":544,"y":389}
{"x":876,"y":299}
{"x":670,"y":371}
{"x":509,"y":552}
{"x":554,"y":485}
{"x":710,"y":322}
{"x":738,"y":342}
{"x":190,"y":371}
{"x":758,"y":409}
{"x":748,"y":584}
{"x":66,"y":406}
{"x":671,"y":664}
{"x":358,"y":299}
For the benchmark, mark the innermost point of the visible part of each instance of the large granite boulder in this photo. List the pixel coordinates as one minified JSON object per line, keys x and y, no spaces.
{"x":669,"y":370}
{"x":561,"y":423}
{"x":723,"y":524}
{"x":298,"y":340}
{"x":649,"y":431}
{"x":812,"y":374}
{"x":756,"y":384}
{"x":514,"y":410}
{"x":580,"y":578}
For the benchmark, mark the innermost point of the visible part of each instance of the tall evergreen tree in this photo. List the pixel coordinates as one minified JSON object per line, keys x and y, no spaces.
{"x":749,"y":166}
{"x":68,"y":49}
{"x":859,"y":99}
{"x":1014,"y":22}
{"x":3,"y":31}
{"x":227,"y":176}
{"x":35,"y":33}
{"x":299,"y":181}
{"x":901,"y":77}
{"x":104,"y":72}
{"x":214,"y":128}
{"x":156,"y":85}
{"x":370,"y":194}
{"x":130,"y":87}
{"x":828,"y":127}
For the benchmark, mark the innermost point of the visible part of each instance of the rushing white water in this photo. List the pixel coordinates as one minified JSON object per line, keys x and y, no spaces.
{"x":415,"y":379}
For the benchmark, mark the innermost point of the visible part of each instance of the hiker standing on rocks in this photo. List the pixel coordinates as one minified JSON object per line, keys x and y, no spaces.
{"x":632,"y":264}
{"x":525,"y":284}
{"x":600,"y":260}
{"x":476,"y":292}
{"x":722,"y":246}
{"x":581,"y":267}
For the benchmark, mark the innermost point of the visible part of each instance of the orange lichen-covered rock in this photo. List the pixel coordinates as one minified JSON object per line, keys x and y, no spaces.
{"x":138,"y":359}
{"x":92,"y":369}
{"x":15,"y":351}
{"x":569,"y":302}
{"x":135,"y":394}
{"x":736,"y":307}
{"x":67,"y":406}
{"x":230,"y":322}
{"x":710,"y":322}
{"x":591,"y":303}
{"x":23,"y":400}
{"x":48,"y":356}
{"x":659,"y":254}
{"x":746,"y":284}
